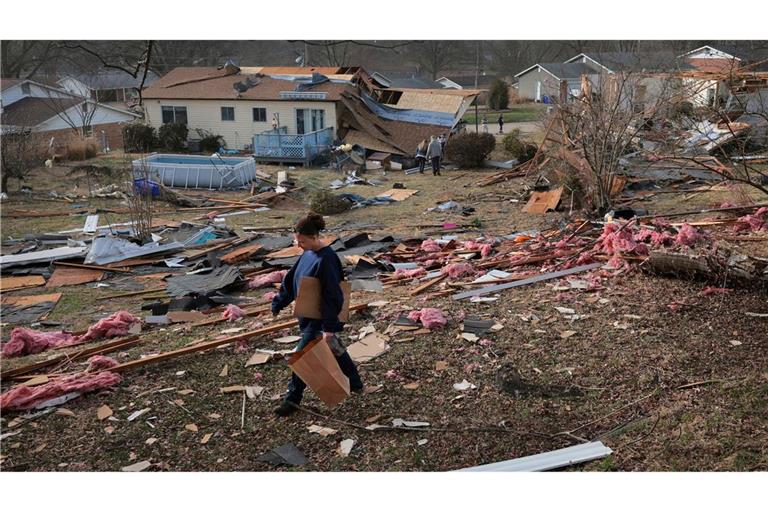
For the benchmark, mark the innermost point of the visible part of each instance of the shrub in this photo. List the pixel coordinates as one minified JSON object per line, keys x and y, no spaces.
{"x":521,"y":150}
{"x":173,"y":136}
{"x":326,"y":203}
{"x":139,"y":137}
{"x":81,"y":149}
{"x":470,"y":149}
{"x":498,"y":96}
{"x":211,"y":143}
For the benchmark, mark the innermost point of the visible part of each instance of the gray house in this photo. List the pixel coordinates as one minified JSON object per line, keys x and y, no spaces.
{"x":553,"y":80}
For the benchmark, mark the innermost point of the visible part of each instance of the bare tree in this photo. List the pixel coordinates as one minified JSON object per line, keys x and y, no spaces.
{"x":135,"y":60}
{"x":599,"y":128}
{"x":76,"y":111}
{"x":435,"y":56}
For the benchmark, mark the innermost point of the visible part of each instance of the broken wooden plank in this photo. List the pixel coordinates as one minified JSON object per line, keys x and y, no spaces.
{"x":213,"y":344}
{"x":542,"y":202}
{"x":80,"y":354}
{"x":92,"y":267}
{"x":13,"y":283}
{"x":523,"y":282}
{"x":427,"y":285}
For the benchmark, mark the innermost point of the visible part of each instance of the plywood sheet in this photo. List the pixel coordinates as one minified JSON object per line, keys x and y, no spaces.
{"x":240,"y":254}
{"x":542,"y":202}
{"x":64,"y":276}
{"x":399,"y":194}
{"x":11,"y":283}
{"x":30,"y":300}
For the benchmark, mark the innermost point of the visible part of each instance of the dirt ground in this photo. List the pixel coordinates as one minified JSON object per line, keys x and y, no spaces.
{"x":669,"y":379}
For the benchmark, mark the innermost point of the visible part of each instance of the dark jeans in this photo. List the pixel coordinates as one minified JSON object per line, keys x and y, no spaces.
{"x":422,"y":161}
{"x":311,"y":329}
{"x":436,"y":165}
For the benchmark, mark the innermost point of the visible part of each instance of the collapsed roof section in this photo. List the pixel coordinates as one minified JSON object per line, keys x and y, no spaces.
{"x":359,"y":122}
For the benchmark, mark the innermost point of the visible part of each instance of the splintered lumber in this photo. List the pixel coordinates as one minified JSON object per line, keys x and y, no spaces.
{"x":81,"y":354}
{"x":92,"y":267}
{"x":218,"y":320}
{"x":213,"y":344}
{"x":523,"y":282}
{"x":427,"y":285}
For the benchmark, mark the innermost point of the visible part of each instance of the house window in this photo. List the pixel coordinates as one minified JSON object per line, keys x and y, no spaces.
{"x":259,"y":115}
{"x":318,"y":120}
{"x":25,"y":88}
{"x":88,"y":131}
{"x":174,"y":115}
{"x":227,"y":113}
{"x":309,"y":120}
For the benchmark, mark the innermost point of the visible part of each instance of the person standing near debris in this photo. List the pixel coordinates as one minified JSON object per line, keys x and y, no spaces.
{"x":434,"y":153}
{"x":421,"y":155}
{"x":501,"y":123}
{"x":485,"y":123}
{"x":319,"y":261}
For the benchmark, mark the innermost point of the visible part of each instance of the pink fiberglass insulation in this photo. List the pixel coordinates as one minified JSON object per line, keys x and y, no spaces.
{"x":266,"y":279}
{"x":688,"y":235}
{"x":232,"y":313}
{"x":28,"y":341}
{"x":117,"y":324}
{"x":615,"y":240}
{"x":485,"y":249}
{"x":414,"y":272}
{"x":455,"y":270}
{"x":25,"y":397}
{"x":655,"y":238}
{"x":430,"y":245}
{"x":267,"y":297}
{"x":753,"y":222}
{"x":430,"y":318}
{"x":98,"y":363}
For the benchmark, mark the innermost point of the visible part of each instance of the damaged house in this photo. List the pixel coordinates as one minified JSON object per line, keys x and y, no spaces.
{"x":291,"y":115}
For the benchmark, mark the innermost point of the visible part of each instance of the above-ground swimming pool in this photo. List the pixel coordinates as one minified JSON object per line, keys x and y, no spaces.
{"x":197,"y":171}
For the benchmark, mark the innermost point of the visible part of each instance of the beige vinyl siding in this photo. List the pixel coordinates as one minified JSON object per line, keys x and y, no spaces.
{"x":206,"y":114}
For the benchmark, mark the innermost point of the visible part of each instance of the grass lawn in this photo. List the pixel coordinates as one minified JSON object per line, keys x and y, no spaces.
{"x":515,"y":114}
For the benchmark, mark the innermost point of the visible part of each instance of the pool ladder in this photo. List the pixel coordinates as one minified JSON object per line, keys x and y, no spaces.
{"x":228,"y":175}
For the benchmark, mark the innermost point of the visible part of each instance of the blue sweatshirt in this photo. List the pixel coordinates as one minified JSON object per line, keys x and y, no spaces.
{"x":325,"y":266}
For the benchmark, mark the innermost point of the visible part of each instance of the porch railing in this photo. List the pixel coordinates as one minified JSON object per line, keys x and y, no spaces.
{"x":277,"y":145}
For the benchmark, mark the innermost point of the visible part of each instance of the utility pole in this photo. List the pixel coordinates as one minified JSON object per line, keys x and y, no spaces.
{"x":477,"y":72}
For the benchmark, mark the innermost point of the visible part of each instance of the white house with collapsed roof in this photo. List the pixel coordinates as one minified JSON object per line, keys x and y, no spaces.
{"x":274,"y":111}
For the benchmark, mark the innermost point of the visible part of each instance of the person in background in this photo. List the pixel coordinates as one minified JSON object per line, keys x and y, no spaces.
{"x":442,"y":140}
{"x":319,"y":261}
{"x":421,"y":155}
{"x":485,"y":123}
{"x":501,"y":123}
{"x":434,"y":153}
